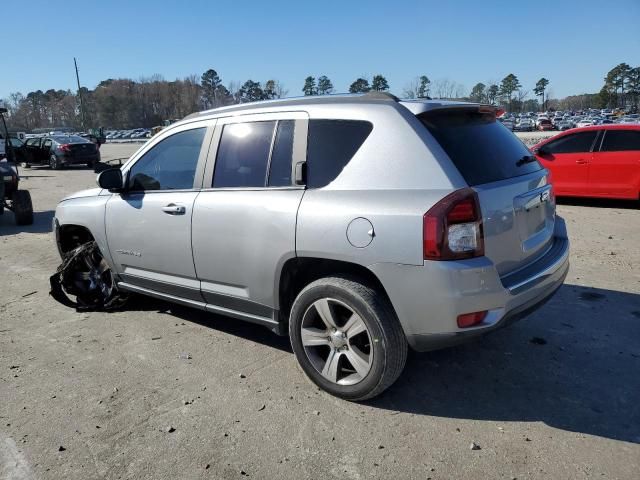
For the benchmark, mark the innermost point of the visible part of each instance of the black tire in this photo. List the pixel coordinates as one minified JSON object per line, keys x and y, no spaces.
{"x":387,"y":340}
{"x":54,"y":163}
{"x":22,"y":207}
{"x":91,"y":164}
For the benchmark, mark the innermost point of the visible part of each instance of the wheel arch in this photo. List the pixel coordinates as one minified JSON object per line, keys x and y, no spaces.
{"x":70,"y":236}
{"x":298,"y":272}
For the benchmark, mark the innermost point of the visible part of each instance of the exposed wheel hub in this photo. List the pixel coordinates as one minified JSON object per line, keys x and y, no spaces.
{"x":338,"y":339}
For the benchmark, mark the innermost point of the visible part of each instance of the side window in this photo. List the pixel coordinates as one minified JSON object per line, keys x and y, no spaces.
{"x":574,"y":143}
{"x":47,"y":143}
{"x":243,"y":155}
{"x":170,"y":164}
{"x":621,"y":141}
{"x":331,"y":145}
{"x":281,"y":156}
{"x":32,"y":142}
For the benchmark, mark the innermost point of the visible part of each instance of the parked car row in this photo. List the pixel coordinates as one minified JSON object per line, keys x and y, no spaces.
{"x":137,"y":133}
{"x":527,"y":122}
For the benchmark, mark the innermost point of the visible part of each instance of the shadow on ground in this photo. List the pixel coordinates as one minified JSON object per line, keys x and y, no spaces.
{"x":573,"y":365}
{"x":41,"y":223}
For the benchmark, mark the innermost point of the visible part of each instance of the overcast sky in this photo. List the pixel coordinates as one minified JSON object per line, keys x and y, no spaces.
{"x":572,"y":43}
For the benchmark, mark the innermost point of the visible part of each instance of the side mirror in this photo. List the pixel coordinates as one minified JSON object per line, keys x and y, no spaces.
{"x":111,"y":180}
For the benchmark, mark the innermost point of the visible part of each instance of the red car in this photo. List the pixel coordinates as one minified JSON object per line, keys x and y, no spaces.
{"x":597,"y":161}
{"x":545,"y":124}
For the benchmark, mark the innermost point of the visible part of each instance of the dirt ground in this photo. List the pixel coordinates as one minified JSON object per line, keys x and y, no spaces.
{"x":163,"y":392}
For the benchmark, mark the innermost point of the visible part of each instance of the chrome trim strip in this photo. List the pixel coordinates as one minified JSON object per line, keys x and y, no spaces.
{"x":266,"y":321}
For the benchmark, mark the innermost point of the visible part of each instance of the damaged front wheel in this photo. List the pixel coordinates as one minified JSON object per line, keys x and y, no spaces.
{"x":85,"y":274}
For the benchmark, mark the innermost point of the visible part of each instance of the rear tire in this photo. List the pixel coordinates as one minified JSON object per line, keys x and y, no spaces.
{"x":353,"y":345}
{"x":22,"y":207}
{"x":54,"y":163}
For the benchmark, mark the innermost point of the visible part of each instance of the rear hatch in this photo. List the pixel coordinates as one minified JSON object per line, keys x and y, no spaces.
{"x":518,"y":208}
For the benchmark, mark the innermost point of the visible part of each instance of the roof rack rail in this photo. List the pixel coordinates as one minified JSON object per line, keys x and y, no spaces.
{"x":381,"y":95}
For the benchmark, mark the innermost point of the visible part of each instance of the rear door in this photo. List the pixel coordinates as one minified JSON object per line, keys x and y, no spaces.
{"x":515,"y":196}
{"x":244,"y":220}
{"x":615,"y":168}
{"x":568,"y":158}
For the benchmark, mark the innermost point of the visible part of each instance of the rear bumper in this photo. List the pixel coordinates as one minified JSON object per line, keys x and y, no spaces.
{"x":429,"y":298}
{"x":76,"y":160}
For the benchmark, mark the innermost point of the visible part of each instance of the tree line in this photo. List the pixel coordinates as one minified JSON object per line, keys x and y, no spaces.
{"x":127,"y":103}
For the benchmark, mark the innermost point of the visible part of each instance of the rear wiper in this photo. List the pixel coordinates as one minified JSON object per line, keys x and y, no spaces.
{"x":525,"y":159}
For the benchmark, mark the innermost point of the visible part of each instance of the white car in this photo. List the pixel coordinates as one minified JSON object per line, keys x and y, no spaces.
{"x":587,"y":122}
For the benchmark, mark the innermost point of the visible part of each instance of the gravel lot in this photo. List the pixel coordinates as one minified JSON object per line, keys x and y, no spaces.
{"x":97,"y":395}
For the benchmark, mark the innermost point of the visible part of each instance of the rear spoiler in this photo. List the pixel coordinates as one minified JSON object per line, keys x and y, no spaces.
{"x":418,"y":108}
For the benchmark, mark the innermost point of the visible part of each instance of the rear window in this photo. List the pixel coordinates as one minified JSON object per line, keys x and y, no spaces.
{"x":481,"y":148}
{"x":70,"y":139}
{"x":332,"y":144}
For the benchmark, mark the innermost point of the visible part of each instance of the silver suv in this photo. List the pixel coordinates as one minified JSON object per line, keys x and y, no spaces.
{"x":358,"y":225}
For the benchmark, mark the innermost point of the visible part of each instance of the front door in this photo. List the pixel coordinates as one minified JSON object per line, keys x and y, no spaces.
{"x":244,"y":220}
{"x":615,"y":168}
{"x":568,"y":158}
{"x":149,"y":225}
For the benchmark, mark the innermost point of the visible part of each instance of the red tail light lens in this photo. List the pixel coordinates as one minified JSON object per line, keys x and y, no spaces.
{"x":64,"y":147}
{"x":452,"y":228}
{"x":470,"y":319}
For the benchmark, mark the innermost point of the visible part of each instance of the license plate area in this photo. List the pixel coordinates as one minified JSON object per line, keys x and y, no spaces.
{"x":535,"y":216}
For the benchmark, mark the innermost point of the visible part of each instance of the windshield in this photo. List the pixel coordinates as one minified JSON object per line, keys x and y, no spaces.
{"x":483,"y":150}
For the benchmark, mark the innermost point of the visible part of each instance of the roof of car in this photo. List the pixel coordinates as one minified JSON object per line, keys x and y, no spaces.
{"x":416,"y":106}
{"x":607,"y":126}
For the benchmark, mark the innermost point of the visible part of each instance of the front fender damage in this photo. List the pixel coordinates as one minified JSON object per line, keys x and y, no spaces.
{"x":86,"y":275}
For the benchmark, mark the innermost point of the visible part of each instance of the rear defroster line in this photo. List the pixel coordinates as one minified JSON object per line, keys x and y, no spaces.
{"x":85,"y":275}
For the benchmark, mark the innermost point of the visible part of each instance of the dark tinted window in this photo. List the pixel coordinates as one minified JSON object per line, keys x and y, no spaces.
{"x":169,"y":165}
{"x":621,"y":140}
{"x":70,"y":139}
{"x":332,"y":144}
{"x":243,"y":155}
{"x":574,"y":143}
{"x":481,"y":148}
{"x":281,"y":157}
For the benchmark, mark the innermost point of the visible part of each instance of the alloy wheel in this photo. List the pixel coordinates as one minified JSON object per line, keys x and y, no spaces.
{"x":337,"y":341}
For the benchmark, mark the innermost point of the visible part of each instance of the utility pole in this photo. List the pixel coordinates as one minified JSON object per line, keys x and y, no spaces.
{"x":79,"y":93}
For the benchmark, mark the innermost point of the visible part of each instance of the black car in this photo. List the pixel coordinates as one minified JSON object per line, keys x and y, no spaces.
{"x":60,"y":150}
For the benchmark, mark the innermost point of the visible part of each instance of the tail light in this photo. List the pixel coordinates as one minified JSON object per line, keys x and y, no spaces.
{"x":452,"y":228}
{"x":65,"y":147}
{"x":470,"y":319}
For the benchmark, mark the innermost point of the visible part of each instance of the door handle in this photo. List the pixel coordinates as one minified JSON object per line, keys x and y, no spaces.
{"x":581,"y":161}
{"x":173,"y":209}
